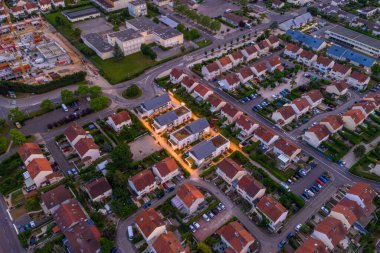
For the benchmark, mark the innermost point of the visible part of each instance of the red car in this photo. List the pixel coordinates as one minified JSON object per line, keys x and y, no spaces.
{"x":66,"y":149}
{"x":319,"y":182}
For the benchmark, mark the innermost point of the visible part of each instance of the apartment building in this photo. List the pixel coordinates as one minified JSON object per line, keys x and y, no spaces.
{"x":171,"y":119}
{"x":154,"y":106}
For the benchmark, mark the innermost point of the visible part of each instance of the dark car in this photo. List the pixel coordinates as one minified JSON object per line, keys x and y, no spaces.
{"x":281,"y":244}
{"x":290,"y":235}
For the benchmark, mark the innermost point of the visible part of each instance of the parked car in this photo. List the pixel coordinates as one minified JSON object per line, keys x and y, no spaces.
{"x":320,"y":182}
{"x":281,"y":244}
{"x":196,"y":225}
{"x":210,"y":214}
{"x":192,"y":228}
{"x":325,"y":210}
{"x":297,"y":228}
{"x":222,"y":205}
{"x":310,"y":193}
{"x":305,"y":195}
{"x":205,"y":217}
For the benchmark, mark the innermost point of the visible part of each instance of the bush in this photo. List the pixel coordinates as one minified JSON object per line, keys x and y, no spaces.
{"x":132,"y":92}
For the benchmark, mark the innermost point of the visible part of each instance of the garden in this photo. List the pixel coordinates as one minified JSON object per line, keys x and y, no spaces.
{"x":363,"y":167}
{"x":11,"y":170}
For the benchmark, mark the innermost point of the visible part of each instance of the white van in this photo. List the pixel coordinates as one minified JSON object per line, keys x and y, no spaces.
{"x":64,"y":107}
{"x":130,"y":233}
{"x":285,"y":186}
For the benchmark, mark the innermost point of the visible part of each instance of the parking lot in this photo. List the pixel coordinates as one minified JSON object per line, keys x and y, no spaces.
{"x":97,"y":25}
{"x":215,"y":8}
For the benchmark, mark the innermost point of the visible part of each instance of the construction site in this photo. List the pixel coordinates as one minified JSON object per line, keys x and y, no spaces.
{"x":32,"y":52}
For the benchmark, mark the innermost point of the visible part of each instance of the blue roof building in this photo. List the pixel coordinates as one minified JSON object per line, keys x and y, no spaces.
{"x":315,"y":44}
{"x":355,"y":58}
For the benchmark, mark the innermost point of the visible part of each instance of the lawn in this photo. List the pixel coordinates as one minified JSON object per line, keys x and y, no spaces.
{"x":361,"y":168}
{"x":10,"y":174}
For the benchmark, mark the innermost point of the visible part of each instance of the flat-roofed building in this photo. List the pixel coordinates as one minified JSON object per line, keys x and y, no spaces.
{"x":171,"y":119}
{"x":99,"y":44}
{"x":129,"y":41}
{"x":80,"y":15}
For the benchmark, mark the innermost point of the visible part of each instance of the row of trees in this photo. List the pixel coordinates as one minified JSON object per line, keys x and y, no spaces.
{"x":189,"y":34}
{"x":206,"y":21}
{"x":148,"y":51}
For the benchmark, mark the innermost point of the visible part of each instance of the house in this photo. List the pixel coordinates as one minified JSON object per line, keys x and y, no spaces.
{"x":224,"y":63}
{"x":250,"y":189}
{"x":189,"y":133}
{"x":299,"y":3}
{"x":155,"y":105}
{"x":347,"y":211}
{"x":236,"y":57}
{"x":340,"y":71}
{"x":338,"y":88}
{"x":306,"y":57}
{"x":166,"y":169}
{"x":272,"y":210}
{"x":277,"y":4}
{"x":284,"y":115}
{"x":98,"y":189}
{"x":52,"y":199}
{"x":84,"y":237}
{"x":87,"y":150}
{"x":215,"y":102}
{"x":331,"y":232}
{"x":286,"y":151}
{"x":45,"y":5}
{"x":58,"y":3}
{"x":311,"y":245}
{"x":231,"y":82}
{"x":250,"y":53}
{"x":317,"y":134}
{"x":39,"y":170}
{"x":323,"y":64}
{"x":245,"y":74}
{"x":363,"y":194}
{"x":171,"y":119}
{"x":358,"y":80}
{"x":119,"y":120}
{"x":274,"y":63}
{"x":298,"y":21}
{"x":352,"y":118}
{"x":313,"y":97}
{"x":188,"y":83}
{"x":292,"y":50}
{"x":143,"y":183}
{"x":265,"y":136}
{"x":236,"y":237}
{"x":201,"y":91}
{"x":231,"y":113}
{"x":150,"y":224}
{"x":300,"y":105}
{"x":273,"y":41}
{"x":263,"y":47}
{"x":190,"y":197}
{"x":374,"y":98}
{"x":31,"y":7}
{"x":367,"y":107}
{"x":230,"y":171}
{"x":246,"y":125}
{"x":234,"y":19}
{"x":176,"y":75}
{"x":168,"y":243}
{"x":29,"y":151}
{"x":17,"y":11}
{"x":334,"y":123}
{"x":69,"y":214}
{"x":74,"y":133}
{"x":210,"y":71}
{"x":368,"y":11}
{"x":208,"y":150}
{"x":259,"y":68}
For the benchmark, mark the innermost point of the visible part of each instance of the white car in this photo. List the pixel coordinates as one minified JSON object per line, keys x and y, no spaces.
{"x":297,"y":228}
{"x":205,"y":217}
{"x":310,"y":193}
{"x":196,"y":225}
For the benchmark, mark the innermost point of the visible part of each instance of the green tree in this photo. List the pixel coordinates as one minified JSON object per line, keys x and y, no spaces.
{"x":194,"y":34}
{"x":47,"y":105}
{"x":375,"y":68}
{"x":95,"y":91}
{"x":67,"y":96}
{"x":215,"y":25}
{"x":32,"y":204}
{"x":82,"y":90}
{"x":99,"y":103}
{"x":17,"y":137}
{"x":359,"y":151}
{"x":180,"y":27}
{"x":132,"y":91}
{"x":203,"y":248}
{"x":77,"y":32}
{"x":117,"y":53}
{"x":313,"y":10}
{"x":122,"y":156}
{"x":3,"y":144}
{"x":16,"y":115}
{"x":148,"y":51}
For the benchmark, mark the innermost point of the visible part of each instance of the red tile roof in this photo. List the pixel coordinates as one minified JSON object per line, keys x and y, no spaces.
{"x":73,"y":131}
{"x":56,"y":196}
{"x":16,"y":9}
{"x":168,"y":243}
{"x":30,"y":5}
{"x":166,"y":166}
{"x":321,"y":131}
{"x":224,"y":61}
{"x":301,"y":103}
{"x":245,"y":72}
{"x":176,"y":73}
{"x":273,"y":39}
{"x":121,"y":117}
{"x":28,"y":149}
{"x":229,"y":167}
{"x":83,"y":238}
{"x":232,"y":79}
{"x":340,"y":85}
{"x":237,"y":55}
{"x":312,"y":245}
{"x":143,"y":179}
{"x":340,"y":68}
{"x":274,"y":61}
{"x":271,"y":207}
{"x":148,"y":220}
{"x":286,"y":147}
{"x":214,"y":100}
{"x":38,"y":165}
{"x":97,"y":187}
{"x":368,"y":106}
{"x":245,"y":122}
{"x":333,"y":229}
{"x":286,"y":111}
{"x":314,"y":95}
{"x":212,"y":67}
{"x":366,"y":193}
{"x":250,"y":185}
{"x":335,"y":121}
{"x":349,"y":209}
{"x":264,"y":133}
{"x":360,"y":77}
{"x":292,"y":47}
{"x":355,"y":114}
{"x":44,"y":2}
{"x":230,"y":110}
{"x":260,"y":66}
{"x":236,"y":235}
{"x":188,"y":81}
{"x":263,"y":44}
{"x":251,"y":50}
{"x":68,"y":214}
{"x":188,"y":193}
{"x":307,"y":54}
{"x":84,"y":145}
{"x":325,"y":61}
{"x":201,"y":89}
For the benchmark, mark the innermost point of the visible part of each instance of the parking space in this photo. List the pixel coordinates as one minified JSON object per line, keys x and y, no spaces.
{"x":207,"y":228}
{"x":97,"y":25}
{"x":215,"y":8}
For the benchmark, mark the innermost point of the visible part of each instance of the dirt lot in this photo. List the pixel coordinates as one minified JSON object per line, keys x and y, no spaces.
{"x":143,"y":147}
{"x":98,"y":25}
{"x":208,"y":228}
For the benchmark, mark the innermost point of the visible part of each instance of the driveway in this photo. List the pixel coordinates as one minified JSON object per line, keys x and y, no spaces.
{"x":209,"y":227}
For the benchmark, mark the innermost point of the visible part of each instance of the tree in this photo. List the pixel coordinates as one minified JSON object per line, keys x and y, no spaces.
{"x":16,"y":115}
{"x":193,"y":34}
{"x":203,"y":248}
{"x":313,"y":10}
{"x":3,"y":144}
{"x":359,"y":151}
{"x":17,"y":137}
{"x":117,"y":53}
{"x":58,"y":20}
{"x":99,"y":103}
{"x":82,"y":90}
{"x":215,"y":25}
{"x":132,"y":91}
{"x":67,"y":96}
{"x":47,"y":105}
{"x":95,"y":91}
{"x":148,"y":51}
{"x":122,"y":156}
{"x":376,"y":69}
{"x":274,"y":25}
{"x":77,"y":32}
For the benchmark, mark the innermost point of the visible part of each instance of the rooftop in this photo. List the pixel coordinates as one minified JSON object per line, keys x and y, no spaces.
{"x":156,"y":102}
{"x":250,"y":185}
{"x":97,"y":187}
{"x":321,"y":131}
{"x":28,"y":149}
{"x":166,"y":166}
{"x":56,"y":196}
{"x":98,"y":42}
{"x":126,"y":35}
{"x":81,"y":13}
{"x":229,"y":167}
{"x":236,"y":235}
{"x":143,"y":179}
{"x":305,"y":39}
{"x":188,"y":193}
{"x":271,"y":207}
{"x":148,"y":220}
{"x":333,"y":229}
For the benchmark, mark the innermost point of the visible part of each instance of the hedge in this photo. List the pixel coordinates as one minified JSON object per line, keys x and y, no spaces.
{"x":6,"y":86}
